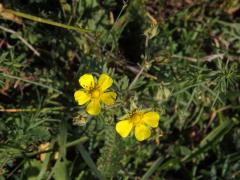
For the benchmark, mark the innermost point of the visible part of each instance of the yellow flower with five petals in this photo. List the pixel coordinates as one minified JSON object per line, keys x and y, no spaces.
{"x":94,"y":92}
{"x":140,"y":121}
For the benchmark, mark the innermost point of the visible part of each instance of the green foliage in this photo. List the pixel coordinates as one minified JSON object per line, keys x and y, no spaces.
{"x":179,"y":58}
{"x":111,"y":154}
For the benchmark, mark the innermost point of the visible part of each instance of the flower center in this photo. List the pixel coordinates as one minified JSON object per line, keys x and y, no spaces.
{"x":95,"y":93}
{"x":136,"y":118}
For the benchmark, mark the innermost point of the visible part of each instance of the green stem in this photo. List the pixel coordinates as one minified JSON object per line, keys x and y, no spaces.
{"x":76,"y":142}
{"x":46,"y":21}
{"x":32,"y":82}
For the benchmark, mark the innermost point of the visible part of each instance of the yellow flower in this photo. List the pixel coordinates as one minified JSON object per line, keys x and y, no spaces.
{"x":94,"y":92}
{"x":140,"y":121}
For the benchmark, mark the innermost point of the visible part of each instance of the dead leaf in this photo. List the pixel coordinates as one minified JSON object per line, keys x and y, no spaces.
{"x":6,"y":14}
{"x":230,"y":6}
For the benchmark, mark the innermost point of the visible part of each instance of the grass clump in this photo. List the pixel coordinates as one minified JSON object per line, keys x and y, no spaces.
{"x":179,"y":59}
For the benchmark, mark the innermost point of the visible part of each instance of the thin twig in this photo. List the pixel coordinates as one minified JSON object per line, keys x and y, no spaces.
{"x":214,"y":114}
{"x":124,"y":64}
{"x":31,"y":82}
{"x":208,"y":58}
{"x":21,"y":38}
{"x":136,"y":78}
{"x":136,"y":70}
{"x":184,"y":57}
{"x":15,"y":169}
{"x":14,"y":110}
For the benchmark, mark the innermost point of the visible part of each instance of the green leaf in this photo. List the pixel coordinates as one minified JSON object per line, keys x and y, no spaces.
{"x":60,"y":170}
{"x":152,"y":169}
{"x":87,"y":158}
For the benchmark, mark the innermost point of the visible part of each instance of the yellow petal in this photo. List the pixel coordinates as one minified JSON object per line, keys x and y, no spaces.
{"x":124,"y":127}
{"x":93,"y":107}
{"x":81,"y":97}
{"x":151,"y":119}
{"x":87,"y":81}
{"x":108,"y":98}
{"x":104,"y":82}
{"x":142,"y":132}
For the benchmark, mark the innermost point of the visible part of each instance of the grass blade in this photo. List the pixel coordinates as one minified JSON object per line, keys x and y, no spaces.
{"x":87,"y":158}
{"x":46,"y":21}
{"x":152,"y":169}
{"x":210,"y":139}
